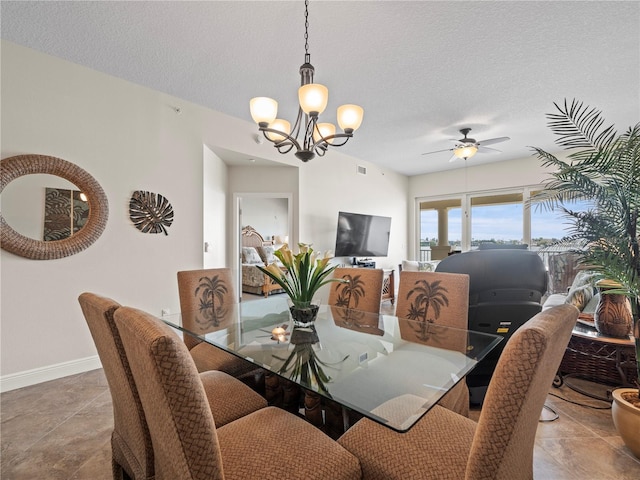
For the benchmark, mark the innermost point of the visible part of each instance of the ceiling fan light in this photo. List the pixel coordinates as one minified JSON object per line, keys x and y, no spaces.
{"x":281,"y":125}
{"x":263,"y":110}
{"x":313,"y":98}
{"x":465,"y":151}
{"x":350,"y":117}
{"x":324,"y":130}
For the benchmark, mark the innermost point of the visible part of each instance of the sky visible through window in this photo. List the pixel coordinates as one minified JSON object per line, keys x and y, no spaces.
{"x":498,"y":222}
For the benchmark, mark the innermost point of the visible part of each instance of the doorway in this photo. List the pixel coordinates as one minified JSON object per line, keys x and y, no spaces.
{"x":271,"y":214}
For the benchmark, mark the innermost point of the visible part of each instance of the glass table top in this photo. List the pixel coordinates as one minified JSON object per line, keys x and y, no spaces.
{"x":389,"y":369}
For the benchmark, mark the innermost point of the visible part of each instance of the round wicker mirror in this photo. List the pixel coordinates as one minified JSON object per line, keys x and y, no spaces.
{"x":12,"y":241}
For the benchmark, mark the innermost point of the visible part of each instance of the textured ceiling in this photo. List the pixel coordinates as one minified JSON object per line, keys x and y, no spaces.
{"x":421,"y":70}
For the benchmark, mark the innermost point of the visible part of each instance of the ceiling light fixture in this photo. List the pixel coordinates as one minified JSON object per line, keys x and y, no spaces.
{"x":465,"y":151}
{"x":313,"y":97}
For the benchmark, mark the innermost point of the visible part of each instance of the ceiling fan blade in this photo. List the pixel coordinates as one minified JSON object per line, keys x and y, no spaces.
{"x":482,"y":149}
{"x":438,"y":151}
{"x":491,"y":141}
{"x":453,"y":158}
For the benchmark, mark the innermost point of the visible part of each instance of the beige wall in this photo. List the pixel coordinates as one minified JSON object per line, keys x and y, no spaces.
{"x":131,"y":138}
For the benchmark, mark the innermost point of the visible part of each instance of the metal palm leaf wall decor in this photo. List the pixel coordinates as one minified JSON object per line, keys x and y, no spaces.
{"x":150,"y":212}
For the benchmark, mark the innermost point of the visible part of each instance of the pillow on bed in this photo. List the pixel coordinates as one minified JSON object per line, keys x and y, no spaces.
{"x":267,"y":255}
{"x":250,"y":256}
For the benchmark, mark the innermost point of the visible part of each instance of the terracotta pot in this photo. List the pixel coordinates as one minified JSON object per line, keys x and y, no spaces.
{"x":626,"y":418}
{"x":613,"y":315}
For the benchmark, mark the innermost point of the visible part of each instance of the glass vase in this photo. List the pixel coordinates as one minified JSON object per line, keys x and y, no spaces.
{"x":304,"y":316}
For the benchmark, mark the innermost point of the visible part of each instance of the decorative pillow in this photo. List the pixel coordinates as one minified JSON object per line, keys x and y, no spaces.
{"x":267,"y":255}
{"x":250,"y":256}
{"x":425,"y":267}
{"x":410,"y":266}
{"x":582,"y":289}
{"x":592,"y":304}
{"x":580,"y":296}
{"x":583,"y":277}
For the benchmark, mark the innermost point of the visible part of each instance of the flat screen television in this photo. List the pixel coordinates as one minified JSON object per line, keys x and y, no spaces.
{"x":361,"y":235}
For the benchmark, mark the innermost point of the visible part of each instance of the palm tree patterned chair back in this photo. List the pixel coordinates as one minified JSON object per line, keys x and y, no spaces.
{"x":208,"y":303}
{"x":362,"y":289}
{"x":359,"y":294}
{"x":430,"y":298}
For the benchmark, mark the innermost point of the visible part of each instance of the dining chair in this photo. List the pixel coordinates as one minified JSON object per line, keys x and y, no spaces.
{"x":132,"y":452}
{"x":207,"y":302}
{"x":446,"y":445}
{"x":267,"y":444}
{"x":361,"y":289}
{"x":443,"y":299}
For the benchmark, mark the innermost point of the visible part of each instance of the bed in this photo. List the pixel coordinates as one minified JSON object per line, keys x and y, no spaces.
{"x":257,"y":251}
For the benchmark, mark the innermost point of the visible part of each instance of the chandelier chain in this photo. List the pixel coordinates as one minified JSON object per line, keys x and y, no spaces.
{"x":306,"y":28}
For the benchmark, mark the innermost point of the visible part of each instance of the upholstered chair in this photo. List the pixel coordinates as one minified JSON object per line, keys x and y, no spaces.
{"x":361,"y":289}
{"x":132,"y":453}
{"x":440,"y":298}
{"x":207,"y":302}
{"x":269,"y":443}
{"x":445,"y":445}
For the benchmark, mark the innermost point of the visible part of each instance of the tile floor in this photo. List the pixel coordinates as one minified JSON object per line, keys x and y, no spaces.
{"x":60,"y":430}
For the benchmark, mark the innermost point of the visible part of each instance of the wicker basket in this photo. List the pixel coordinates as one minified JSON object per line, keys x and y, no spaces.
{"x":597,"y":360}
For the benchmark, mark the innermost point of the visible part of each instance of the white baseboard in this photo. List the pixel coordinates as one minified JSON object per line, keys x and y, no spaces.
{"x":50,"y":372}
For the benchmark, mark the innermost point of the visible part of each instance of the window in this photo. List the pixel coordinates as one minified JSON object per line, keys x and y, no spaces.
{"x":440,"y":224}
{"x":548,"y":227}
{"x":497,"y":219}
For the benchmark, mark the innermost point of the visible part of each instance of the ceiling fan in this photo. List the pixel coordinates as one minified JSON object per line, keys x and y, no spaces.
{"x":467,"y":147}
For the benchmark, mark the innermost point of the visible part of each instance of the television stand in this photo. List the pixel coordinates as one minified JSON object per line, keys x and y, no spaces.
{"x":366,"y":263}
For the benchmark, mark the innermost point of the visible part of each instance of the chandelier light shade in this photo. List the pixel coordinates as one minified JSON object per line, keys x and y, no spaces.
{"x":350,"y":117}
{"x":313,"y":98}
{"x":263,"y":110}
{"x":465,"y":151}
{"x":308,"y":136}
{"x":324,"y":130}
{"x":279,"y":125}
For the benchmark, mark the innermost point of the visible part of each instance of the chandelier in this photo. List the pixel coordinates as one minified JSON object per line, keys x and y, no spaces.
{"x":313,"y":97}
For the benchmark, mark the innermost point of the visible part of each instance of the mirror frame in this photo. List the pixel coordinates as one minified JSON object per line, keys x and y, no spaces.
{"x":12,"y":241}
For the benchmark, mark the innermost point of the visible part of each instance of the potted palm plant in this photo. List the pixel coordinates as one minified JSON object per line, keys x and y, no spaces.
{"x":603,"y":168}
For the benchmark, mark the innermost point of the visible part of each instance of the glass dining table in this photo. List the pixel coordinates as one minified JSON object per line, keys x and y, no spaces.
{"x":389,"y":369}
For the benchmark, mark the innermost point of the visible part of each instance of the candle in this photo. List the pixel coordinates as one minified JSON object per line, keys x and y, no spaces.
{"x":277,"y":332}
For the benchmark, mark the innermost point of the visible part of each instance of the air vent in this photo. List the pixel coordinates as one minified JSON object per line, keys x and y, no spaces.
{"x":362,"y":170}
